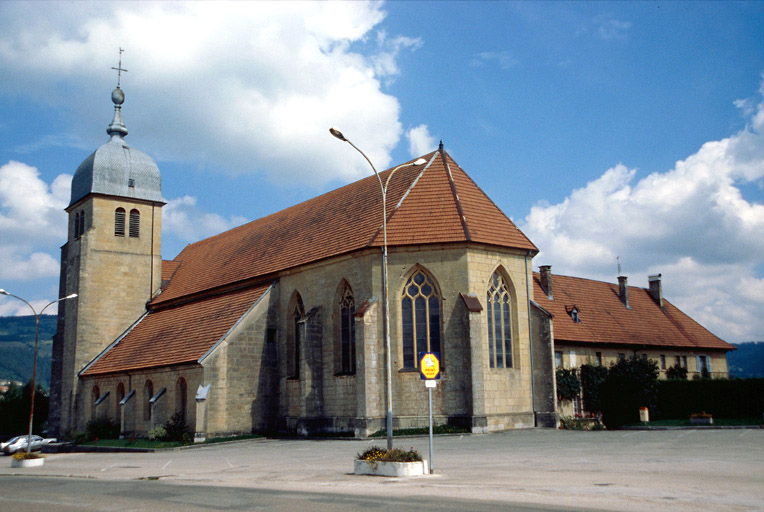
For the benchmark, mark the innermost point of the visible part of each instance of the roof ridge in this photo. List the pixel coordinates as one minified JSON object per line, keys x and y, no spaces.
{"x":458,"y":201}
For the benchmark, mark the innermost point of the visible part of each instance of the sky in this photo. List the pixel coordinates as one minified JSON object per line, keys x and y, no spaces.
{"x":613,"y":134}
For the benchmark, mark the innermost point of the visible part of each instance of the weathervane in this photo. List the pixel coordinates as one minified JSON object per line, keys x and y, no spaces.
{"x":119,"y":68}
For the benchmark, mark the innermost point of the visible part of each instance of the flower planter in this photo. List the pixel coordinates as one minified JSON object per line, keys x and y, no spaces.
{"x":702,"y":421}
{"x":27,"y":463}
{"x":379,"y":468}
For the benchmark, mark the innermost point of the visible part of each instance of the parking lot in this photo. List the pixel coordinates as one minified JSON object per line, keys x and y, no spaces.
{"x":618,"y":470}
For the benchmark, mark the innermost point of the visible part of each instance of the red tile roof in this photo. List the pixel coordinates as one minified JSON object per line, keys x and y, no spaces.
{"x":177,"y":335}
{"x":605,"y":319}
{"x":432,"y":203}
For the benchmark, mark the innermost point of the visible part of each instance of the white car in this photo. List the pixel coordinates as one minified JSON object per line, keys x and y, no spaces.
{"x":19,"y":444}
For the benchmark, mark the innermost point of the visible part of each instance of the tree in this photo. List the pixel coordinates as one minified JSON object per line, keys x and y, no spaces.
{"x":592,"y":378}
{"x":676,"y":373}
{"x":630,"y":384}
{"x":568,"y":385}
{"x":14,"y":410}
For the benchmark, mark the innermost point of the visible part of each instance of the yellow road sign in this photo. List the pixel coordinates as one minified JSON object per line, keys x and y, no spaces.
{"x":429,"y":365}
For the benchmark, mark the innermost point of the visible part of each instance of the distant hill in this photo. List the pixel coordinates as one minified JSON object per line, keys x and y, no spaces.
{"x":747,"y":361}
{"x":17,"y":348}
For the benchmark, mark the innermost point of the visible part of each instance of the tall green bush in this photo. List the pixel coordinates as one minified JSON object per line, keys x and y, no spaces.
{"x":592,"y":378}
{"x":568,"y":385}
{"x":676,"y":373}
{"x":630,"y":384}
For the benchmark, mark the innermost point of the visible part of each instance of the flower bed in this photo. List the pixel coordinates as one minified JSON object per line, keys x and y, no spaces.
{"x":26,"y":460}
{"x":395,"y":462}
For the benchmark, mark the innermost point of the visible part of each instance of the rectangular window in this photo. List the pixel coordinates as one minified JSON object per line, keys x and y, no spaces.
{"x":598,"y":355}
{"x":644,"y":357}
{"x":621,"y":356}
{"x":663,"y":362}
{"x":558,"y":359}
{"x":684,"y":361}
{"x":573,"y":359}
{"x":677,"y":361}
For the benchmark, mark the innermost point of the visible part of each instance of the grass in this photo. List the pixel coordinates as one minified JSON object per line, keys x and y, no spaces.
{"x":423,"y":431}
{"x":158,"y":445}
{"x":718,"y":422}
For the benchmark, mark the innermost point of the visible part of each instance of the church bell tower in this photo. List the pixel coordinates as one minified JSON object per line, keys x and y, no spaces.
{"x":111,"y":259}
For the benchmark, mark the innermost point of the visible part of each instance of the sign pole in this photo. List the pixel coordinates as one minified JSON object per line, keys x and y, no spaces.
{"x":429,"y":392}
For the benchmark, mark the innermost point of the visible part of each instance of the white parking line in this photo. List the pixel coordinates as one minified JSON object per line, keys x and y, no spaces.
{"x":108,"y":467}
{"x":168,"y":463}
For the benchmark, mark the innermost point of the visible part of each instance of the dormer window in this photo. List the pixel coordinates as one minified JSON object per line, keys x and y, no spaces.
{"x":573,"y":312}
{"x":131,"y":183}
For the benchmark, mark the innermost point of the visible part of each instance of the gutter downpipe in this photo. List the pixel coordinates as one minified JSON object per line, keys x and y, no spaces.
{"x":530,"y":337}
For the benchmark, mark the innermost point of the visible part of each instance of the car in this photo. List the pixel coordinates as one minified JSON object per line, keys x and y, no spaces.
{"x":19,"y":444}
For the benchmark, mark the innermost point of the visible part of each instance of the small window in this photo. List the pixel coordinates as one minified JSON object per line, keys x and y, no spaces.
{"x":558,"y":359}
{"x":82,"y":222}
{"x":598,"y":355}
{"x":135,"y":222}
{"x":677,"y":361}
{"x":131,"y":183}
{"x":574,"y":315}
{"x":684,"y":361}
{"x":295,"y":338}
{"x":621,"y":356}
{"x":644,"y":357}
{"x":148,"y":392}
{"x":119,"y":222}
{"x":663,"y":362}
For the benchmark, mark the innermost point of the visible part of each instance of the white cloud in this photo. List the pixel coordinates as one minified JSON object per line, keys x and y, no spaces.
{"x":610,"y":28}
{"x":239,"y":87}
{"x":183,"y":219}
{"x":420,"y":140}
{"x":692,"y":224}
{"x":504,"y":60}
{"x":32,"y":219}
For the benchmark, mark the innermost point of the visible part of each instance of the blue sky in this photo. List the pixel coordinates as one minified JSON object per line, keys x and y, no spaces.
{"x":629,"y":130}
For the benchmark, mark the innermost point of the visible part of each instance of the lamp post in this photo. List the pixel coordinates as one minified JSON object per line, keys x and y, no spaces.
{"x":388,"y":365}
{"x":34,"y":365}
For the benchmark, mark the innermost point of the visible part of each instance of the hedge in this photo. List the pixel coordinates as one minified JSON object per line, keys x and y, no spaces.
{"x":737,"y":398}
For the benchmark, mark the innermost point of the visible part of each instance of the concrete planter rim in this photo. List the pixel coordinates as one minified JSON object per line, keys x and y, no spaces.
{"x":392,"y":469}
{"x":27,"y":463}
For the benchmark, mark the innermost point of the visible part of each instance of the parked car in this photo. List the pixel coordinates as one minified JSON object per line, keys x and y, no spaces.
{"x":19,"y":444}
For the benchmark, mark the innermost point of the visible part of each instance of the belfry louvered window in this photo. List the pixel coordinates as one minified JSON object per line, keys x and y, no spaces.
{"x":119,"y":222}
{"x":135,"y":223}
{"x":499,"y":323}
{"x":420,"y":318}
{"x":77,"y":225}
{"x":81,"y":224}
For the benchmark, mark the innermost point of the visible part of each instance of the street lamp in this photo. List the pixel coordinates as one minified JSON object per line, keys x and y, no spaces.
{"x":388,"y":364}
{"x":34,"y":365}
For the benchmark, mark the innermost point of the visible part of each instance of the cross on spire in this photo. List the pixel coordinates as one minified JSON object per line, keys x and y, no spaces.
{"x":119,"y":68}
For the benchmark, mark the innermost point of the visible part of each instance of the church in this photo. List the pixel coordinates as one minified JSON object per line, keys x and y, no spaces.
{"x":279,"y":324}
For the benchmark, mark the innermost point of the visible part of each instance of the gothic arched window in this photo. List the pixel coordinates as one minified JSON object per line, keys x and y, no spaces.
{"x":346,"y":308}
{"x":499,"y":323}
{"x":181,"y":398}
{"x":295,"y":337}
{"x":148,"y":393}
{"x":119,"y":222}
{"x":420,"y":318}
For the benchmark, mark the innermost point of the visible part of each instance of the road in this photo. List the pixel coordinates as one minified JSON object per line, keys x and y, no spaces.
{"x":536,"y":469}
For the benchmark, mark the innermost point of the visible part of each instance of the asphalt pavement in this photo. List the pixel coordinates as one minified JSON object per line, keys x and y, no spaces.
{"x":549,"y":469}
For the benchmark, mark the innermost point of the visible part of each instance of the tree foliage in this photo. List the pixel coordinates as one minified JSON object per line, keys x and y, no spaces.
{"x":592,"y":378}
{"x":630,"y":384}
{"x":676,"y":373}
{"x":14,"y":410}
{"x":568,"y":385}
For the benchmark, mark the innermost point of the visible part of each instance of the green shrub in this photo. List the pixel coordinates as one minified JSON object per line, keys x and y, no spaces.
{"x":176,"y":428}
{"x":733,"y":399}
{"x":158,"y":433}
{"x":592,"y":378}
{"x":568,"y":385}
{"x":630,"y":384}
{"x":676,"y":373}
{"x":102,"y":428}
